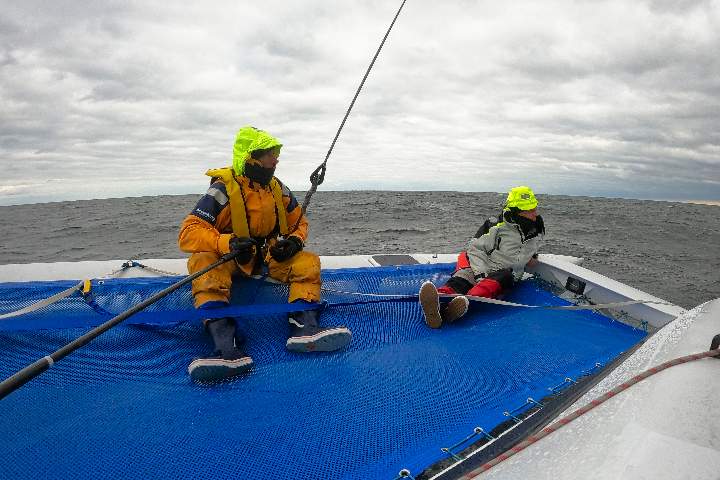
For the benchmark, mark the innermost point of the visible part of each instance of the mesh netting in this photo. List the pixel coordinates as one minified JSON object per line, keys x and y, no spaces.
{"x":123,"y":406}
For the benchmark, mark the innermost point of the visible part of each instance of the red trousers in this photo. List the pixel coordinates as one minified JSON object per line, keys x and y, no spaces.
{"x":487,"y":287}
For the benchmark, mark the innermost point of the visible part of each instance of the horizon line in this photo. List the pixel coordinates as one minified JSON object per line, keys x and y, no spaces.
{"x":710,"y":202}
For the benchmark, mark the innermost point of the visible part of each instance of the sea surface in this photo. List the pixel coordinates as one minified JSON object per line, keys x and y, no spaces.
{"x":671,"y":250}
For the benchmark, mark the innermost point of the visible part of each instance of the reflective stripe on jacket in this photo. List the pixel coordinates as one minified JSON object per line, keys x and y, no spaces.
{"x":218,"y":214}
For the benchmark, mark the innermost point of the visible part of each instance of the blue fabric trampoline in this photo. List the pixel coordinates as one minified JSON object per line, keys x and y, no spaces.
{"x":124,"y":407}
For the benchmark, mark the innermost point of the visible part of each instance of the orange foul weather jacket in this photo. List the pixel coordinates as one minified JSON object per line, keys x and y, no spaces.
{"x":236,"y":205}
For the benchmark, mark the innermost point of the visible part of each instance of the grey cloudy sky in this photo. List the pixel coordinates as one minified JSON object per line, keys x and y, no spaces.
{"x":611,"y":98}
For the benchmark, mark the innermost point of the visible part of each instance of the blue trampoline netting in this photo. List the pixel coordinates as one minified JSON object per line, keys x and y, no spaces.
{"x":123,"y":406}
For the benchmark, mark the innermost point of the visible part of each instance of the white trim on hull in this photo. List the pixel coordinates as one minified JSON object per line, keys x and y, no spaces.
{"x":30,"y":272}
{"x":601,"y":289}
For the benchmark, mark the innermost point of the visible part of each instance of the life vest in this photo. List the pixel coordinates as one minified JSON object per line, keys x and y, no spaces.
{"x":238,"y":214}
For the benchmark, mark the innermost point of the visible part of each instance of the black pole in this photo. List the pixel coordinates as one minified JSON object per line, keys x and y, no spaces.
{"x":36,"y":368}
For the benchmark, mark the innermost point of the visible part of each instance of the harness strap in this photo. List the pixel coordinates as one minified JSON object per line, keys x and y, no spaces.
{"x":237,"y":205}
{"x":279,"y":207}
{"x":238,"y":212}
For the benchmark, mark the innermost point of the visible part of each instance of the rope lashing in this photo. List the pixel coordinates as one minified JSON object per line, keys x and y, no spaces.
{"x":494,"y":301}
{"x":46,"y":302}
{"x":476,"y":432}
{"x":125,"y":265}
{"x":318,"y":175}
{"x":132,"y":263}
{"x":643,"y":324}
{"x":529,"y":401}
{"x":565,"y":383}
{"x":389,"y":296}
{"x":587,"y":372}
{"x":566,"y":307}
{"x":84,"y":287}
{"x":583,"y":410}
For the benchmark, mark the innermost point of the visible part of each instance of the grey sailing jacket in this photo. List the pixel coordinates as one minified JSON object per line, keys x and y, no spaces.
{"x":504,"y":246}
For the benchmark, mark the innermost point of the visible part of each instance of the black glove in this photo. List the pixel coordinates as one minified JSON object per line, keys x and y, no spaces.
{"x":286,"y":248}
{"x":243,"y":248}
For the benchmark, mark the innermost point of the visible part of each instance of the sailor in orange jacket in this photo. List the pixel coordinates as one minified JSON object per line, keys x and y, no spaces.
{"x":244,"y":202}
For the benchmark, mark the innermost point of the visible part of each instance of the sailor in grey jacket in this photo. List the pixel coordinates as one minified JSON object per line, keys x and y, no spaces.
{"x":494,"y":259}
{"x":509,"y":244}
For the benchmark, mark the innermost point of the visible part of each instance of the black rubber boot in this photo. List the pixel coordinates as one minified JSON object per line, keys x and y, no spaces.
{"x":307,"y":336}
{"x":229,"y":358}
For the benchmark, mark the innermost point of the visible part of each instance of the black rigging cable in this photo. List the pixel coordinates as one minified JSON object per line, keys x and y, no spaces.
{"x":318,"y":175}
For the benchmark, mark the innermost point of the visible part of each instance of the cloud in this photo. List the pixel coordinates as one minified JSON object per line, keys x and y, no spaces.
{"x":610,"y":98}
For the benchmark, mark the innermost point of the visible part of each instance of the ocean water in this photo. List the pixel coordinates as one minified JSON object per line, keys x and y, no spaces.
{"x":668,"y":249}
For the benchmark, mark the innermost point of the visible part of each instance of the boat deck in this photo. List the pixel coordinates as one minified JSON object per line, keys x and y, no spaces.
{"x":392,"y":400}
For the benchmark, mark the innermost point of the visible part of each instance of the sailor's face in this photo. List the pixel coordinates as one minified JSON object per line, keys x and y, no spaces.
{"x":529,"y":214}
{"x":269,"y":160}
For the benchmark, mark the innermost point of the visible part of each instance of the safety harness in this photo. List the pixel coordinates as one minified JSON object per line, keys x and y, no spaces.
{"x":238,"y":212}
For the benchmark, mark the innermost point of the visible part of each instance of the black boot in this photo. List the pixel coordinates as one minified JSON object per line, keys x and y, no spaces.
{"x":229,"y":358}
{"x":307,"y":336}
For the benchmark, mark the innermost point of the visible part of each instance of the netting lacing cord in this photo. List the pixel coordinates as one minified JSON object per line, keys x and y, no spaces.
{"x":592,"y":404}
{"x":389,"y":296}
{"x":600,"y":306}
{"x":45,"y":302}
{"x":84,"y":287}
{"x":132,"y":263}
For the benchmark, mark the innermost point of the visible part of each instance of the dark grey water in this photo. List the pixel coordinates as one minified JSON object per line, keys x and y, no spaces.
{"x":671,"y":250}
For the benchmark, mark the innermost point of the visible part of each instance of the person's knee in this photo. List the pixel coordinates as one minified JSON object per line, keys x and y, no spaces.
{"x":306,"y":267}
{"x":504,"y":277}
{"x":487,"y":287}
{"x":310,"y":292}
{"x":213,"y":285}
{"x":200,"y":260}
{"x":462,"y":280}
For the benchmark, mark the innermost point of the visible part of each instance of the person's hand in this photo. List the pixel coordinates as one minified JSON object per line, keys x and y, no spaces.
{"x":286,"y":248}
{"x":243,"y":248}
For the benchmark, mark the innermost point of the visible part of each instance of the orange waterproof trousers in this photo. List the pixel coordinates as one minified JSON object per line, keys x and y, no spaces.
{"x":302,"y":272}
